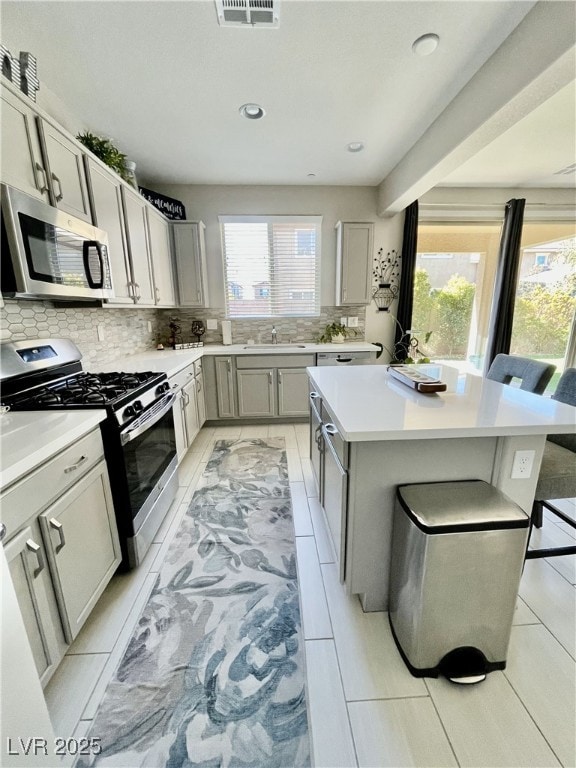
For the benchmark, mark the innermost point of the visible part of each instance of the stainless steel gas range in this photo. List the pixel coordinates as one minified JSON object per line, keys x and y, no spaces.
{"x":138,"y":432}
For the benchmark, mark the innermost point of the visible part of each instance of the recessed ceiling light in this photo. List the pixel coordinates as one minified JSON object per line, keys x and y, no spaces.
{"x":355,"y":146}
{"x":311,"y":175}
{"x":252,"y":111}
{"x":426,"y":44}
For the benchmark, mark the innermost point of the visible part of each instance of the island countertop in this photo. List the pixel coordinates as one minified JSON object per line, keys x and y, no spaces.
{"x":369,"y":405}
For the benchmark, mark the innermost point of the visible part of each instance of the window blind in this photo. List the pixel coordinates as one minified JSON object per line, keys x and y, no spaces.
{"x":271,"y":265}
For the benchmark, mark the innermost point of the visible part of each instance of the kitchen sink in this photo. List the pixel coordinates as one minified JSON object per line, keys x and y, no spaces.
{"x":275,"y":346}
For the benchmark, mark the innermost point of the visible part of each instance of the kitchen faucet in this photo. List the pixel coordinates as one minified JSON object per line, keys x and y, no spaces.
{"x":274,"y":336}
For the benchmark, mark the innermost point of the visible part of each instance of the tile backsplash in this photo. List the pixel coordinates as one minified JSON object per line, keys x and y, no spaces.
{"x":103,"y":334}
{"x":260,"y":329}
{"x":123,"y":331}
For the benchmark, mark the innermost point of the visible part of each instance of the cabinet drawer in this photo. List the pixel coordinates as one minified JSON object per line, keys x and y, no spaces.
{"x":275,"y":361}
{"x":34,"y":492}
{"x":182,"y":377}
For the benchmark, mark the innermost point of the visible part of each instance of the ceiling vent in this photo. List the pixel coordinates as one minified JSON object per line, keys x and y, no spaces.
{"x":253,"y":13}
{"x":566,"y":171}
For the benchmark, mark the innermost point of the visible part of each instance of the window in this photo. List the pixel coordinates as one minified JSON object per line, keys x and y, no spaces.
{"x":271,"y":265}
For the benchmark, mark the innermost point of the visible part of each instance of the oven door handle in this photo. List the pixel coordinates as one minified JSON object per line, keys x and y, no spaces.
{"x":137,"y":430}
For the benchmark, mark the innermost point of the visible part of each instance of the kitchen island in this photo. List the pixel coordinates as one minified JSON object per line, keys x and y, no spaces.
{"x":394,"y":435}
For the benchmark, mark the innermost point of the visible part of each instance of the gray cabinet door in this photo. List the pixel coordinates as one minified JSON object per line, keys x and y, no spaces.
{"x":190,"y":257}
{"x":65,"y":161}
{"x":138,"y":246}
{"x":335,"y":491}
{"x":316,"y":443}
{"x":82,"y":544}
{"x":22,"y":162}
{"x":225,"y":387}
{"x":190,"y":411}
{"x":105,"y":191}
{"x":31,"y":578}
{"x":161,"y":257}
{"x":200,"y":400}
{"x":292,"y":392}
{"x":256,"y":392}
{"x":354,"y":262}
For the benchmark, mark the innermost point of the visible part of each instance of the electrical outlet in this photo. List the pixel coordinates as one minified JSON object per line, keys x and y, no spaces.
{"x":522,"y":465}
{"x":101,"y":332}
{"x":211,"y":324}
{"x":343,"y":321}
{"x":149,"y":326}
{"x":353,"y":322}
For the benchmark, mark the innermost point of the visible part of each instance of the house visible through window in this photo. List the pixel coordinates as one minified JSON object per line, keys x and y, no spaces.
{"x":271,"y":265}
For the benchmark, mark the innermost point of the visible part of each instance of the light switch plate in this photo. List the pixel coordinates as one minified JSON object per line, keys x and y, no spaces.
{"x":101,"y":332}
{"x":353,"y":322}
{"x":343,"y":321}
{"x":211,"y":324}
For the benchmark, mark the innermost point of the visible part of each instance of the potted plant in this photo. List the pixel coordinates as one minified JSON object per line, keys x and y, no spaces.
{"x":335,"y":333}
{"x":105,"y":151}
{"x":406,"y":350}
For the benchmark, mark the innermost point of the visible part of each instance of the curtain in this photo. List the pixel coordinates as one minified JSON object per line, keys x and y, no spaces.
{"x":502,"y":314}
{"x":406,"y":292}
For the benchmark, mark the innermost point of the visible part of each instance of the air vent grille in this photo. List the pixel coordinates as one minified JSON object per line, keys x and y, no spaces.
{"x":254,"y":13}
{"x":566,"y":171}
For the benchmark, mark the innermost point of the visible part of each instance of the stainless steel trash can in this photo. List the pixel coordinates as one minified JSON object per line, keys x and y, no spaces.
{"x":457,"y":555}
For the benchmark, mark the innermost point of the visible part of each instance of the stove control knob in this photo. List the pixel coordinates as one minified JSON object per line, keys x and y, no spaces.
{"x":161,"y":388}
{"x":138,"y":407}
{"x":128,"y":412}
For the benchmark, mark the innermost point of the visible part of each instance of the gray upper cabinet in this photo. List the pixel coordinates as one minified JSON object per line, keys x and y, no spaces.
{"x":39,"y":159}
{"x":161,"y":252}
{"x":107,"y":214}
{"x":354,"y":246}
{"x":65,"y":168}
{"x":190,"y":257}
{"x":138,"y":246}
{"x":22,"y":161}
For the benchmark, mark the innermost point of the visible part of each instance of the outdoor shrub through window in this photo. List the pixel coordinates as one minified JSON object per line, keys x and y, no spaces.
{"x":271,"y":265}
{"x":454,"y":284}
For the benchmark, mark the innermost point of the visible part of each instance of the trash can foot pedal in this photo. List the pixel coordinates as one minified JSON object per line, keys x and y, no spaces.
{"x":470,"y":680}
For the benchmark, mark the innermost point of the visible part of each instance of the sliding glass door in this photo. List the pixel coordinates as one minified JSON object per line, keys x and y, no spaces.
{"x":546,"y":295}
{"x":453,"y":287}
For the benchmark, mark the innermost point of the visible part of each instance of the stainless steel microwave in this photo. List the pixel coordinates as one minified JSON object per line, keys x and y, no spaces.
{"x":48,"y":254}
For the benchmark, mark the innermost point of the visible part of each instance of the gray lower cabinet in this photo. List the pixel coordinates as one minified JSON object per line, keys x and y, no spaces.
{"x":256,"y":392}
{"x":62,"y":546}
{"x":292,"y":392}
{"x":225,"y":388}
{"x":189,"y":407}
{"x":28,"y":567}
{"x":81,"y":520}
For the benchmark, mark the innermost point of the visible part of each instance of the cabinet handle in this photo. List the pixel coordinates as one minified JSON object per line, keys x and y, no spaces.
{"x":35,"y":549}
{"x":74,"y":467}
{"x":198,"y":386}
{"x":2,"y":531}
{"x":39,"y":169}
{"x":58,"y":527}
{"x":137,"y":296}
{"x":58,"y":193}
{"x":270,"y":376}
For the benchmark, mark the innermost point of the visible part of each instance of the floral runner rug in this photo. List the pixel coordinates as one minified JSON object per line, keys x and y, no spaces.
{"x":214,"y":673}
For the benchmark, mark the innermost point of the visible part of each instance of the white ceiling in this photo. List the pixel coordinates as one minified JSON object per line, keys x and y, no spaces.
{"x":165,"y":81}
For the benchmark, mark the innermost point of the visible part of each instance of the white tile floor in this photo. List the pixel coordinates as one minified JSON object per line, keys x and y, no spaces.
{"x":365,"y":707}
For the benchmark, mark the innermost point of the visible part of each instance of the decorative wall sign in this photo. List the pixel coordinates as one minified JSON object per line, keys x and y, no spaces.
{"x":22,"y":72}
{"x":385,"y":273}
{"x":172,"y":209}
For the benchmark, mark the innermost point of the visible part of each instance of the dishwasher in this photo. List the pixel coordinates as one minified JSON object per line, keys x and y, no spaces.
{"x":335,"y":489}
{"x":358,"y":357}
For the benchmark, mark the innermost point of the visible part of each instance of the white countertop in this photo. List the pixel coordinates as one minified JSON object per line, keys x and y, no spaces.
{"x":29,"y":438}
{"x":369,"y":405}
{"x":171,"y":361}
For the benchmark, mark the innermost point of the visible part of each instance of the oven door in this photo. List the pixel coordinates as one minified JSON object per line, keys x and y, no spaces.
{"x":149,"y":449}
